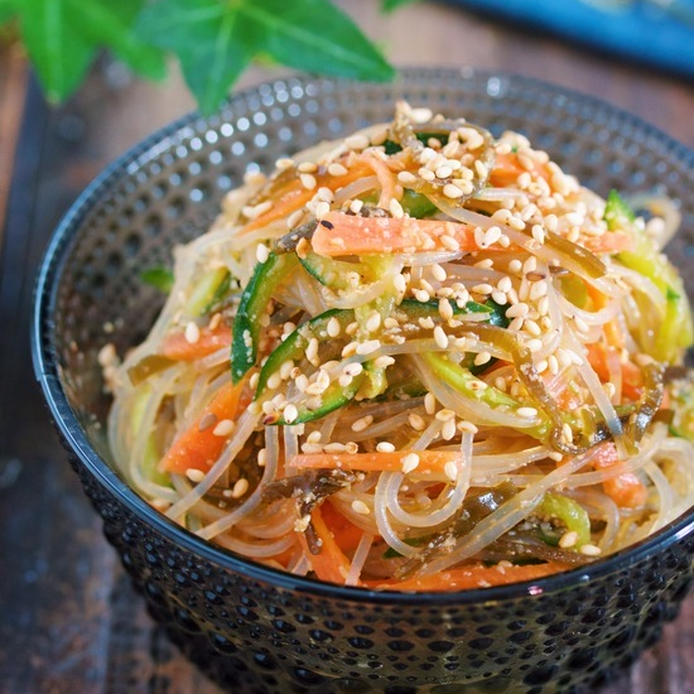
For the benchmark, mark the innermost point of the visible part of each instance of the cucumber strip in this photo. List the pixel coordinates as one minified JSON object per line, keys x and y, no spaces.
{"x":267,"y":277}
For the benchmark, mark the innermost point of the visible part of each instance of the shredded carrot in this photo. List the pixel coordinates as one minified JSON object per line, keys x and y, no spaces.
{"x":353,"y":235}
{"x":632,"y":378}
{"x":176,"y":346}
{"x":198,"y":449}
{"x":330,"y":564}
{"x":347,"y":535}
{"x":609,"y":242}
{"x":626,"y":490}
{"x":507,"y":169}
{"x":469,"y":577}
{"x":431,"y":463}
{"x":295,"y":195}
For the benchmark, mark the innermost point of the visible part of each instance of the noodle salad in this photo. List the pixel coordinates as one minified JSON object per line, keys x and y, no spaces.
{"x":419,"y":358}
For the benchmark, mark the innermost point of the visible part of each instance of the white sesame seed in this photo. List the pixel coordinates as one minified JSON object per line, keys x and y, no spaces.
{"x":527,"y":412}
{"x":373,"y":322}
{"x":451,"y":470}
{"x":443,"y":171}
{"x":284,"y":163}
{"x":420,"y":115}
{"x":568,"y":539}
{"x":449,"y":242}
{"x":195,"y":475}
{"x":290,"y":413}
{"x":385,"y":447}
{"x":483,"y":288}
{"x":262,"y":253}
{"x":409,"y":462}
{"x":416,"y":421}
{"x":445,"y":415}
{"x":538,"y":233}
{"x":240,"y":488}
{"x":334,"y":447}
{"x":426,"y":174}
{"x":479,"y":236}
{"x":333,"y":328}
{"x":516,"y":223}
{"x":396,"y":209}
{"x":308,"y":181}
{"x":556,"y":456}
{"x":358,"y":506}
{"x":482,"y":358}
{"x":399,"y":283}
{"x":429,"y":403}
{"x":355,"y":206}
{"x":336,"y":169}
{"x":530,"y":265}
{"x":407,"y":177}
{"x":439,"y":273}
{"x":492,"y":235}
{"x":192,"y":333}
{"x":567,"y":433}
{"x":352,"y":369}
{"x":440,"y":337}
{"x":383,"y":362}
{"x":452,"y":191}
{"x":362,"y":423}
{"x":448,"y":430}
{"x":541,"y":366}
{"x":481,"y":169}
{"x":504,"y":284}
{"x":307,"y":167}
{"x":538,"y":290}
{"x":517,"y":310}
{"x":422,"y":295}
{"x":532,"y":327}
{"x":581,"y":324}
{"x":500,"y":297}
{"x":357,"y":141}
{"x":445,"y":309}
{"x":534,"y":345}
{"x":224,"y":428}
{"x":590,"y":550}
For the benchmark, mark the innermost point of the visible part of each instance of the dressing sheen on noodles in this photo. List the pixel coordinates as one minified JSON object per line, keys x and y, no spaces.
{"x":416,"y":358}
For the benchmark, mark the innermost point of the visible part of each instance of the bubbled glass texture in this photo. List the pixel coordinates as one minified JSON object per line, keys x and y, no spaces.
{"x":256,"y":630}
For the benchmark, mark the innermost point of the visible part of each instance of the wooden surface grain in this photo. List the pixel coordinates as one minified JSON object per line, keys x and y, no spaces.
{"x":70,"y":622}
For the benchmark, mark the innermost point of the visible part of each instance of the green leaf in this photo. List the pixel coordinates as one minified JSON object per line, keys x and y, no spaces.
{"x":160,"y":278}
{"x":214,"y":41}
{"x":316,"y":36}
{"x":60,"y":53}
{"x":390,"y":5}
{"x":62,"y":36}
{"x":110,"y":24}
{"x":211,"y":39}
{"x":7,"y":10}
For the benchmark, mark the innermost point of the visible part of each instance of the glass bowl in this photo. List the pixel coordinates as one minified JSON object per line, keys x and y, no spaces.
{"x":250,"y":627}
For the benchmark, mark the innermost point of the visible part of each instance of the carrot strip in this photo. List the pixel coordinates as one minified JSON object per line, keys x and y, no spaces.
{"x":330,"y":564}
{"x":632,"y":378}
{"x":468,"y":577}
{"x":507,"y":169}
{"x":176,"y":346}
{"x":626,"y":490}
{"x":199,"y":449}
{"x":342,"y":234}
{"x":347,"y":535}
{"x":295,"y":195}
{"x":610,"y":242}
{"x":431,"y":463}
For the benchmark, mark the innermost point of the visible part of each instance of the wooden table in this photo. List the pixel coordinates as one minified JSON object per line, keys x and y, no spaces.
{"x":70,"y":621}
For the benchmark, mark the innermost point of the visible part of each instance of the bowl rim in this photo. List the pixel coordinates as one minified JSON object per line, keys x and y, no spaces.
{"x":46,"y":370}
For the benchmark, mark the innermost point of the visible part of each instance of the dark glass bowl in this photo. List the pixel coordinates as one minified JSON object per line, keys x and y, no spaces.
{"x":256,"y":629}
